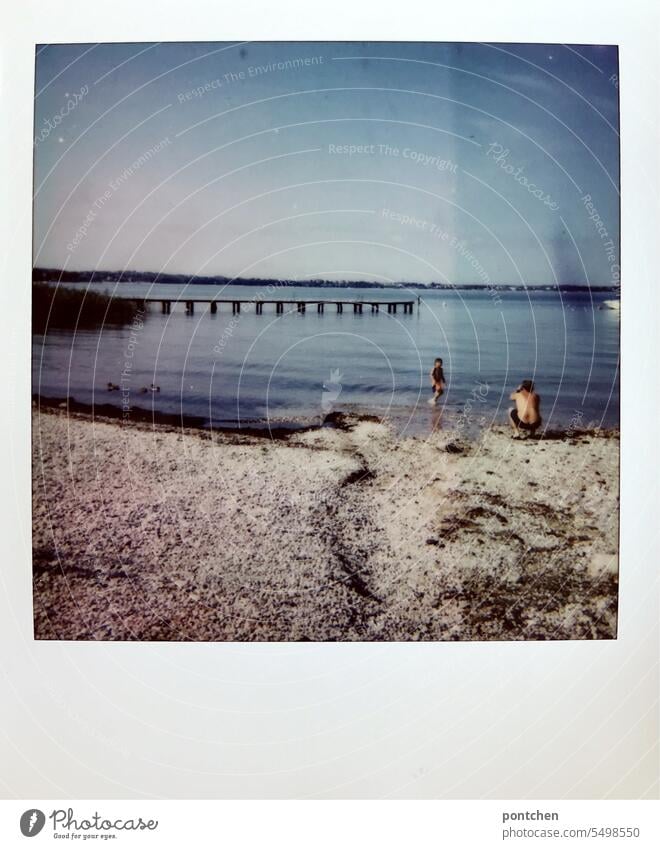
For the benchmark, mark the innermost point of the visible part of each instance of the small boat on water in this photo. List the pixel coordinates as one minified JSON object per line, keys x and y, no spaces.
{"x":611,"y":305}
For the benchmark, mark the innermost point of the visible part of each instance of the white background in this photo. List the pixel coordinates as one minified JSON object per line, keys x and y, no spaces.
{"x":504,"y":720}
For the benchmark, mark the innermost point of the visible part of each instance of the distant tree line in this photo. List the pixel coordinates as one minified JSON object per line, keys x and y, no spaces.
{"x":55,"y":274}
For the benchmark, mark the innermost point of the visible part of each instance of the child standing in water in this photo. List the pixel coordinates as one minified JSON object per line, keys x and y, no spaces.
{"x":437,"y":376}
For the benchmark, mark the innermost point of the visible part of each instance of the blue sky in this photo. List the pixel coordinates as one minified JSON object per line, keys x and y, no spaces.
{"x":404,"y":162}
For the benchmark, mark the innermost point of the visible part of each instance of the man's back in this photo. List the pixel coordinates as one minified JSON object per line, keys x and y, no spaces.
{"x":528,"y":406}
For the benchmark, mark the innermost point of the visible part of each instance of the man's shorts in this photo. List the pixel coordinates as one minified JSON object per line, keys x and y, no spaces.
{"x":523,"y":425}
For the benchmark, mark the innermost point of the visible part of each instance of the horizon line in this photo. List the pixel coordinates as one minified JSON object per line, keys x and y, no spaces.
{"x":248,"y":281}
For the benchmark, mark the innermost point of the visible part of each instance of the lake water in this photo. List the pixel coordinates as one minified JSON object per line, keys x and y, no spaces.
{"x":271,"y":368}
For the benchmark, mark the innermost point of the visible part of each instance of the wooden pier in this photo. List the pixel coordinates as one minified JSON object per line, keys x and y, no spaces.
{"x":294,"y":305}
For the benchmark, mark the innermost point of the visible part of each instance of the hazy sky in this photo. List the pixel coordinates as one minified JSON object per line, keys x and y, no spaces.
{"x":408,"y":162}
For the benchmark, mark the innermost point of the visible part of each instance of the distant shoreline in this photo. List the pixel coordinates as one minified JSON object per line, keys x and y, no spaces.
{"x":40,"y":275}
{"x":261,"y":429}
{"x":142,"y":415}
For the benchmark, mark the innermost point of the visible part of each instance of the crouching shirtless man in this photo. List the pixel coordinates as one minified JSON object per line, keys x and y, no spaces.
{"x":525,"y":417}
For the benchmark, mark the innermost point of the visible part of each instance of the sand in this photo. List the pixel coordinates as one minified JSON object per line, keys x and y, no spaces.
{"x":145,"y":532}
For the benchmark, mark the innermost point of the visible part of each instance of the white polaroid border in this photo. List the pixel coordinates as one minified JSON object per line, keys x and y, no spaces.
{"x":461,"y":720}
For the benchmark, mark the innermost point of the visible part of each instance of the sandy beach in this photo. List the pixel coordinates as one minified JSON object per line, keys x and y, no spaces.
{"x":146,"y":532}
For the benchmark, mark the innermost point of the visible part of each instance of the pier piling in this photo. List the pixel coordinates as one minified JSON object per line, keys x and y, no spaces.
{"x":301,"y":306}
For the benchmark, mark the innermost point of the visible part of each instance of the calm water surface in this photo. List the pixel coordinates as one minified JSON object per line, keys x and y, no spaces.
{"x":259,"y":368}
